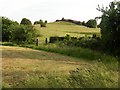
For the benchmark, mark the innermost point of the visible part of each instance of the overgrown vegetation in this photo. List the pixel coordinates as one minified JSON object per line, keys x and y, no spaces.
{"x":101,"y":69}
{"x":42,"y":24}
{"x":93,"y":42}
{"x":110,"y":27}
{"x":7,"y":29}
{"x":25,"y":21}
{"x":13,"y":32}
{"x":93,"y":76}
{"x":98,"y":73}
{"x":91,"y":23}
{"x":24,"y":34}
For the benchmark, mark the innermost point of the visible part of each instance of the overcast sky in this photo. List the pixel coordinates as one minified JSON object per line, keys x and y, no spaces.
{"x":51,"y":10}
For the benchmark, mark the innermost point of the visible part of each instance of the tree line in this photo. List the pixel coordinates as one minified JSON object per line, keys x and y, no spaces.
{"x":92,"y":23}
{"x":21,"y":33}
{"x":41,"y":22}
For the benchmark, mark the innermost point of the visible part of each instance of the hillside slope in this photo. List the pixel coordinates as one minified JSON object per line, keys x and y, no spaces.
{"x":62,"y":28}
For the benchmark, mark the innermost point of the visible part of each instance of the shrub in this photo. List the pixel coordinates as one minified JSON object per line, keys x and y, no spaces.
{"x":7,"y":28}
{"x":67,"y":37}
{"x":55,"y":39}
{"x":91,"y":43}
{"x":43,"y":24}
{"x":86,"y":42}
{"x":46,"y":21}
{"x":83,"y":23}
{"x":24,"y":34}
{"x":19,"y":34}
{"x":94,"y":36}
{"x":91,"y":23}
{"x":41,"y":21}
{"x":37,"y":22}
{"x":25,"y":21}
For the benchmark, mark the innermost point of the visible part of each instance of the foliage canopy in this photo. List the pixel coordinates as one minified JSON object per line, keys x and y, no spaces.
{"x":13,"y":32}
{"x":25,"y":21}
{"x":110,"y":26}
{"x":91,"y":23}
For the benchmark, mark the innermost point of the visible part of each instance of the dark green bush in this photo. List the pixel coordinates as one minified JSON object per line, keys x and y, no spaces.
{"x":83,"y":23}
{"x":7,"y":29}
{"x":91,"y":23}
{"x":20,"y":34}
{"x":88,"y":42}
{"x":45,"y":21}
{"x":25,"y":21}
{"x":94,"y":36}
{"x":36,"y":22}
{"x":56,"y":39}
{"x":24,"y":34}
{"x":43,"y":24}
{"x":110,"y":27}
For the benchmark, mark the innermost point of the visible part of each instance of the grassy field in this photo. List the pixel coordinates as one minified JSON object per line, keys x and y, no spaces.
{"x":19,"y":66}
{"x":28,"y":68}
{"x":63,"y":28}
{"x":58,"y":66}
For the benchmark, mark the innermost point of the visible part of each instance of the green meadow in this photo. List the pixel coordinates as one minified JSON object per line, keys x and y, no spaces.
{"x":62,"y":54}
{"x":41,"y":68}
{"x":58,"y":66}
{"x":63,"y":28}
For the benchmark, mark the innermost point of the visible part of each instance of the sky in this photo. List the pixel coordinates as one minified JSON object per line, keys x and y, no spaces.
{"x":50,"y":10}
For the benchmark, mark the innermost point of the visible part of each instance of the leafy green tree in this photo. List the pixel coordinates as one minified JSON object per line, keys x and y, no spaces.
{"x":91,"y":23}
{"x":7,"y":28}
{"x":20,"y":34}
{"x":110,"y":26}
{"x":83,"y":23}
{"x":36,"y":22}
{"x":25,"y":21}
{"x":43,"y":24}
{"x":41,"y":21}
{"x":46,"y":21}
{"x":24,"y":34}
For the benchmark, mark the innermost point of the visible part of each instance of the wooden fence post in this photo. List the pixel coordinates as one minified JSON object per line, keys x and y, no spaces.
{"x":37,"y":42}
{"x":46,"y":41}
